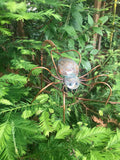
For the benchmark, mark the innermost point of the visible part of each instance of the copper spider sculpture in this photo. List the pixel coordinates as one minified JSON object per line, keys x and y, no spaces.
{"x":69,"y":69}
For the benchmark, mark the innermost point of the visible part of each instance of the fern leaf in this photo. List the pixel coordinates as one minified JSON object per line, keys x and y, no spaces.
{"x":5,"y":101}
{"x":87,"y":135}
{"x":6,"y":145}
{"x":114,"y":141}
{"x":3,"y":89}
{"x":22,"y":64}
{"x":45,"y":123}
{"x":14,"y":79}
{"x":42,"y":98}
{"x":5,"y":132}
{"x":63,"y":132}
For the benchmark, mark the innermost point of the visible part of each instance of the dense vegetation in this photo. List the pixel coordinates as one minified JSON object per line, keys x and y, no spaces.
{"x":36,"y":130}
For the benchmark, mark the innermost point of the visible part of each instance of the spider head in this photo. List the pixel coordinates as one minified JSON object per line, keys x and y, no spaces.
{"x":72,"y":82}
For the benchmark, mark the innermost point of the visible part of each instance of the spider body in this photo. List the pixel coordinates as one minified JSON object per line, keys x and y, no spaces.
{"x":69,"y":69}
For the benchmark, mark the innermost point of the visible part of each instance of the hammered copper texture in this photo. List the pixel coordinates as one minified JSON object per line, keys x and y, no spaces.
{"x":67,"y":67}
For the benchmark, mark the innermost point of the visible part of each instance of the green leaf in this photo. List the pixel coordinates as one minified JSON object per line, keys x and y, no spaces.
{"x":71,"y":43}
{"x":90,"y":20}
{"x":88,"y":47}
{"x":5,"y":101}
{"x":6,"y":142}
{"x":100,"y":112}
{"x":71,"y":31}
{"x":77,"y":20}
{"x":42,"y":98}
{"x":94,"y":52}
{"x":95,"y":134}
{"x":86,"y":65}
{"x":45,"y":123}
{"x":27,"y":114}
{"x":16,"y":7}
{"x":114,"y":141}
{"x":103,"y":19}
{"x":63,"y":132}
{"x":98,"y":30}
{"x":14,"y":79}
{"x":5,"y":31}
{"x":18,"y":63}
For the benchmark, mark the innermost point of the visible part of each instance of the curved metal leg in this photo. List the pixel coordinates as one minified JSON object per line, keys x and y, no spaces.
{"x":44,"y":89}
{"x":107,"y":86}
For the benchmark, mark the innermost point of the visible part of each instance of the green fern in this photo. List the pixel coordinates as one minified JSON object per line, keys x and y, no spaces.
{"x":45,"y":123}
{"x":114,"y":141}
{"x":14,"y":79}
{"x":87,"y":135}
{"x":63,"y":132}
{"x":22,"y":64}
{"x":15,"y":134}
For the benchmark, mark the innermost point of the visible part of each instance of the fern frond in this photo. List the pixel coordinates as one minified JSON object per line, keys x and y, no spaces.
{"x":6,"y":102}
{"x":88,"y":135}
{"x":5,"y":31}
{"x":15,"y":134}
{"x":63,"y":132}
{"x":114,"y":141}
{"x":16,"y":7}
{"x":45,"y":123}
{"x":36,"y":16}
{"x":5,"y":133}
{"x":14,"y":79}
{"x":3,"y":89}
{"x":33,"y":108}
{"x":22,"y":64}
{"x":42,"y":98}
{"x":6,"y":145}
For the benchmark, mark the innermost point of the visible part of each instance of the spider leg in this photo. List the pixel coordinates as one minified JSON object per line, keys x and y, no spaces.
{"x":89,"y":71}
{"x":107,"y":86}
{"x":101,"y":75}
{"x":45,"y":69}
{"x":48,"y":84}
{"x":44,"y":89}
{"x":54,"y":62}
{"x":63,"y":106}
{"x":43,"y":44}
{"x":93,"y":84}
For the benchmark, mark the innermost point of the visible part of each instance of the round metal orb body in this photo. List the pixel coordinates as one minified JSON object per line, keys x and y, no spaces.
{"x":72,"y":82}
{"x":69,"y":69}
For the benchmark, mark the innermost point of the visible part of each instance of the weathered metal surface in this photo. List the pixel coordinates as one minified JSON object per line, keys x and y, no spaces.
{"x":69,"y":69}
{"x":67,"y":66}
